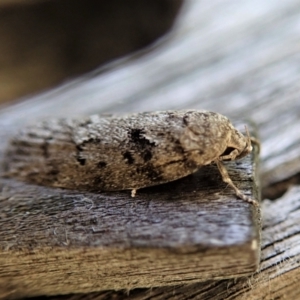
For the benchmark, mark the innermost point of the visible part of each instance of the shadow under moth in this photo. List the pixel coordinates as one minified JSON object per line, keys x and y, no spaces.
{"x":110,"y":153}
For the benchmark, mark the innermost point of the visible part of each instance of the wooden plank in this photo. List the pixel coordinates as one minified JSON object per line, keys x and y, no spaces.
{"x":189,"y":230}
{"x":276,"y":279}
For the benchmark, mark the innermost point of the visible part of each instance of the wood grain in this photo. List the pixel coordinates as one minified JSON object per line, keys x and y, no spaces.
{"x":276,"y":279}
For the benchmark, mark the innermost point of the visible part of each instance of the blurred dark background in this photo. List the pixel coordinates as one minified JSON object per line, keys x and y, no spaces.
{"x":44,"y":42}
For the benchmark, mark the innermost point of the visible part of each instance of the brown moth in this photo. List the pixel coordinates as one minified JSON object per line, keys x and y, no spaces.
{"x":110,"y":153}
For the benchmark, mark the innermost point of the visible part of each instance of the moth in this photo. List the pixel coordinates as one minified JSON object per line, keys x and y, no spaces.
{"x":111,"y":153}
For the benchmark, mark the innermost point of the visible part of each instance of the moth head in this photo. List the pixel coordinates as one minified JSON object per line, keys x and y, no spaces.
{"x":238,"y":147}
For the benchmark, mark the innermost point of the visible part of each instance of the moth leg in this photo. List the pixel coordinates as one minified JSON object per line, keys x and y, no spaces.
{"x":226,"y":179}
{"x":233,"y":154}
{"x":133,"y":193}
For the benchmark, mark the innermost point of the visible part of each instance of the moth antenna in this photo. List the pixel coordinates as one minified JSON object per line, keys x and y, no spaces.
{"x":248,"y":134}
{"x":248,"y":137}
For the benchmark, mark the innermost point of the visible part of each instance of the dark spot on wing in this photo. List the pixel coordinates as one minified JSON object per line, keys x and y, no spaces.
{"x":136,"y":136}
{"x":128,"y":157}
{"x":22,"y":151}
{"x":52,"y":174}
{"x":80,"y":148}
{"x":101,"y":164}
{"x":97,"y":180}
{"x":45,"y":147}
{"x":152,"y":173}
{"x":33,"y":135}
{"x":171,"y":115}
{"x":185,"y":120}
{"x":190,"y":164}
{"x":78,"y":157}
{"x":147,"y":155}
{"x":21,"y":143}
{"x":177,"y":146}
{"x":140,"y":144}
{"x":81,"y":160}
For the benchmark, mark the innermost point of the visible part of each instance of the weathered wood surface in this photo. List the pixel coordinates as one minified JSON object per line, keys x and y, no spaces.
{"x":279,"y":273}
{"x":240,"y":59}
